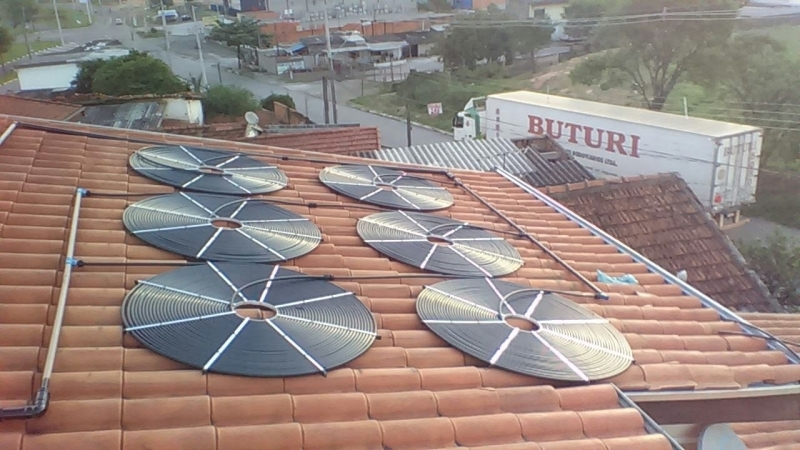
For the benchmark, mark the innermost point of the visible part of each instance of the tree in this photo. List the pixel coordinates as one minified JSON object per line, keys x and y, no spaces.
{"x":83,"y":81}
{"x":479,"y":38}
{"x":760,"y":77}
{"x":239,"y":33}
{"x":6,"y":40}
{"x":136,"y":74}
{"x":653,"y":56}
{"x":284,"y":99}
{"x":777,"y":262}
{"x":17,"y":11}
{"x":221,"y":100}
{"x":584,"y":9}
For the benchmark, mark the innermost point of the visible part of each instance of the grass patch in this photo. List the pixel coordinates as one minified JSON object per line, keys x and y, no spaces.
{"x":789,"y":35}
{"x":6,"y":77}
{"x":70,"y":18}
{"x":19,"y":49}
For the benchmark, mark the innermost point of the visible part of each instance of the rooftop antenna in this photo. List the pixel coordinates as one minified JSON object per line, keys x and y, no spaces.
{"x":252,"y":129}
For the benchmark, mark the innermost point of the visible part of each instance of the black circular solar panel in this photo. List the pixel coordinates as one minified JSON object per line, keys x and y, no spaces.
{"x":439,"y":244}
{"x":203,"y":170}
{"x":221,"y":228}
{"x":386,"y":187}
{"x":244,"y":319}
{"x":524,"y":330}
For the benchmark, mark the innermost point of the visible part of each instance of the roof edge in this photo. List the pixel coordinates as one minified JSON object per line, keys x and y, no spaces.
{"x":714,"y":394}
{"x":725,"y":313}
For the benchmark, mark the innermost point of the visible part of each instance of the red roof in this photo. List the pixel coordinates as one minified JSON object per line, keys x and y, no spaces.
{"x":340,"y":141}
{"x":42,"y":109}
{"x":660,"y":217}
{"x":410,"y":390}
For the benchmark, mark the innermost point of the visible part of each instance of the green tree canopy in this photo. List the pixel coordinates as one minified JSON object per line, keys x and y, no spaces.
{"x":654,"y":55}
{"x":238,"y":33}
{"x":16,"y":10}
{"x":83,"y":81}
{"x":482,"y":37}
{"x":581,"y":10}
{"x":776,"y":260}
{"x":222,"y":100}
{"x":135,"y":74}
{"x":759,"y":78}
{"x":285,"y":99}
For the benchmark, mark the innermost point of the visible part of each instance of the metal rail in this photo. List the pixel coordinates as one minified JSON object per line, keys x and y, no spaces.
{"x":686,"y":288}
{"x":650,"y":425}
{"x":38,"y":404}
{"x":8,"y":132}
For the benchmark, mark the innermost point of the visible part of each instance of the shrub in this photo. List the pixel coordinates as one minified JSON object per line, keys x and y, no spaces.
{"x":284,"y":99}
{"x":221,"y":100}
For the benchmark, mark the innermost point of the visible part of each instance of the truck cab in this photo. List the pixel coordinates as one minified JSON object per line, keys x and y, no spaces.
{"x":467,"y":123}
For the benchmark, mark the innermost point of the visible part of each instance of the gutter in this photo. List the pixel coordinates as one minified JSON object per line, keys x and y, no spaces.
{"x":38,"y":404}
{"x":686,"y":288}
{"x":714,"y":394}
{"x":650,"y":425}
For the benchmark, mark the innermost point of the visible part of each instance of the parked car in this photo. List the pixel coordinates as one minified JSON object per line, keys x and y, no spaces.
{"x":119,"y":21}
{"x":186,"y":18}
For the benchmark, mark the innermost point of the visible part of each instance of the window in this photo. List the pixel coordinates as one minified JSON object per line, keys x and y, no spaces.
{"x":458,"y":122}
{"x":539,"y":13}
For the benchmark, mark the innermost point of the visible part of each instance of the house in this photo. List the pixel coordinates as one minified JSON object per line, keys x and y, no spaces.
{"x":143,"y":112}
{"x":543,"y":10}
{"x":660,"y":217}
{"x":351,"y":49}
{"x":695,"y":363}
{"x":540,"y":162}
{"x":57,"y":70}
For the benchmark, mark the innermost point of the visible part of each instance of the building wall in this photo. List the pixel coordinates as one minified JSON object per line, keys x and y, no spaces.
{"x":484,"y":4}
{"x":553,"y":12}
{"x":47,"y":77}
{"x":291,"y":31}
{"x":185,"y":110}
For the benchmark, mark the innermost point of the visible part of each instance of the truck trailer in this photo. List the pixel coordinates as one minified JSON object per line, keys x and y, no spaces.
{"x":718,"y":160}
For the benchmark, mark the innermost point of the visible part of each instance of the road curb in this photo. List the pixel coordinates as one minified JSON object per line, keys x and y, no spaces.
{"x":389,"y":116}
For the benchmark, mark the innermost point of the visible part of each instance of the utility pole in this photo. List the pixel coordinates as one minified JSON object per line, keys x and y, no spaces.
{"x":330,"y":69}
{"x":58,"y":22}
{"x":219,"y":71}
{"x":204,"y":80}
{"x":88,"y":10}
{"x":25,"y":33}
{"x":333,"y":100}
{"x":408,"y":124}
{"x":325,"y":99}
{"x":166,"y":33}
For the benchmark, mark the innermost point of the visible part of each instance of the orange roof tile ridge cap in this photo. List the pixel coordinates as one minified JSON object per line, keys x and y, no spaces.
{"x":671,"y":278}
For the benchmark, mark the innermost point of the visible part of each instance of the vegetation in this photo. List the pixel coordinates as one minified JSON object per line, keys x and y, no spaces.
{"x":477,"y":40}
{"x":284,"y":99}
{"x":239,"y":33}
{"x":654,"y":56}
{"x":134,"y":74}
{"x":156,"y":4}
{"x":19,"y":49}
{"x":17,"y":11}
{"x":777,"y":263}
{"x":6,"y":41}
{"x":222,"y":100}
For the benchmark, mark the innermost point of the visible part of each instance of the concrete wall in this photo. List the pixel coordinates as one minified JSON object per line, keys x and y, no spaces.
{"x":186,"y":110}
{"x":47,"y":77}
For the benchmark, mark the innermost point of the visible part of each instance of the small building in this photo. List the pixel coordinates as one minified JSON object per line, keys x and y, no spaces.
{"x":541,"y":10}
{"x":56,"y":71}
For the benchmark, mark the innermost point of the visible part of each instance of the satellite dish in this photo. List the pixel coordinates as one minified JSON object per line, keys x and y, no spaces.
{"x":720,"y":436}
{"x":251,"y":117}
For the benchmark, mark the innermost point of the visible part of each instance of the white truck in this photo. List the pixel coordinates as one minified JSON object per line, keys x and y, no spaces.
{"x":718,"y":160}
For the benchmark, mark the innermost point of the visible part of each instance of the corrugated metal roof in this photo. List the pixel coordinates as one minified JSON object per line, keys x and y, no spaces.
{"x":138,"y":115}
{"x":642,"y":116}
{"x":486,"y":154}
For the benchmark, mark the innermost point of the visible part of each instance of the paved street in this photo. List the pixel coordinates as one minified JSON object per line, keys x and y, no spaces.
{"x":185,"y":63}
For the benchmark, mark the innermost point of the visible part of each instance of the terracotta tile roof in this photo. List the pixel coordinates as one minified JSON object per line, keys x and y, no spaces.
{"x":661,"y":218}
{"x":777,"y":435}
{"x":410,"y":390}
{"x":43,"y":109}
{"x":783,"y":326}
{"x":324,"y":140}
